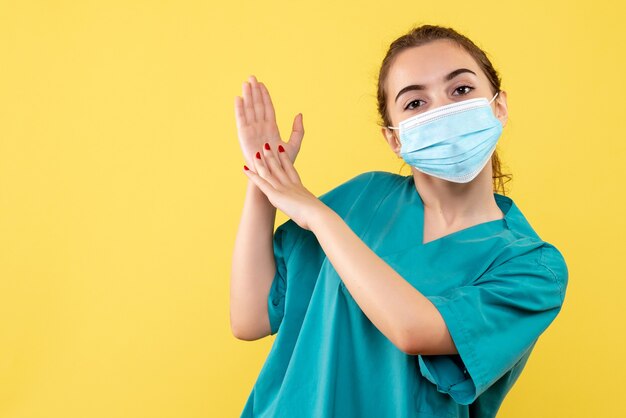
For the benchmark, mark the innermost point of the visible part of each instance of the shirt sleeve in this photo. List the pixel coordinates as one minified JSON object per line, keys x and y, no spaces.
{"x":495,"y":320}
{"x":284,"y":240}
{"x":286,"y":237}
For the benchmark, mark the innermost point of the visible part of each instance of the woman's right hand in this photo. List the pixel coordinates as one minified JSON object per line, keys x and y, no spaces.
{"x":256,"y":123}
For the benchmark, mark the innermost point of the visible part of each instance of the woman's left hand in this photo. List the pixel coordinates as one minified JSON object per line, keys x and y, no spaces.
{"x":275,"y":175}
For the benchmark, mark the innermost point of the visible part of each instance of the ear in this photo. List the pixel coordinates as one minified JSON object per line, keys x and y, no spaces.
{"x":501,"y":110}
{"x":392,"y":140}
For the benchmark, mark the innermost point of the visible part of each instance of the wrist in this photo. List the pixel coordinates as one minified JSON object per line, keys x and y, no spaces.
{"x":257,"y":196}
{"x":320,"y":215}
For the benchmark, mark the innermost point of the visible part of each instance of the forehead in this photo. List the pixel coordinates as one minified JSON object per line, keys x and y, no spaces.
{"x":428,"y":64}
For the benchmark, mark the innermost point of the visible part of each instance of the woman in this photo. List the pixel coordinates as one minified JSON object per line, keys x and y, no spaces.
{"x":393,"y":296}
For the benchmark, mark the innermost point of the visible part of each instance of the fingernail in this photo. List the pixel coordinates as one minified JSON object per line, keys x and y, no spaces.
{"x":245,"y":167}
{"x":258,"y":155}
{"x":267,"y":146}
{"x":281,"y":149}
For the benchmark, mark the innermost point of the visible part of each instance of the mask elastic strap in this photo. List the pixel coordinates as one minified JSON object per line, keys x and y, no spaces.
{"x":494,"y":97}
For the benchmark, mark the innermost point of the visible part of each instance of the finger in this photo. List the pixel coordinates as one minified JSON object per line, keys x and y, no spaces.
{"x":297,"y":132}
{"x":261,"y":168}
{"x":288,"y":167}
{"x":274,"y":164}
{"x":240,"y":115}
{"x":257,"y":99}
{"x":270,"y":114}
{"x":247,"y":103}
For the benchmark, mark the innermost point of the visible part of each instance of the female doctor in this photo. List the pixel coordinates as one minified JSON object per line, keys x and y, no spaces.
{"x":393,"y":296}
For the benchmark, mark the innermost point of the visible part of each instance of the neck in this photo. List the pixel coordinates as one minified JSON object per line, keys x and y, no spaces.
{"x":451,"y":204}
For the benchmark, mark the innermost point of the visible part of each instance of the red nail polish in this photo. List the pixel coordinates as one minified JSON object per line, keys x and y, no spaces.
{"x":258,"y":155}
{"x":245,"y":167}
{"x":267,"y":146}
{"x":281,"y":149}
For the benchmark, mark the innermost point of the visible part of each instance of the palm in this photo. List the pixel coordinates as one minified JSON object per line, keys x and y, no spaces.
{"x":256,"y":123}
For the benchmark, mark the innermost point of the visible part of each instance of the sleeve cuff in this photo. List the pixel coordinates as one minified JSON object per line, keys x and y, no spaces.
{"x":454,"y":374}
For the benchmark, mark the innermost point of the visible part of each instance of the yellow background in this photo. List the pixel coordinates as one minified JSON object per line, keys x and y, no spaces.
{"x":121,"y":185}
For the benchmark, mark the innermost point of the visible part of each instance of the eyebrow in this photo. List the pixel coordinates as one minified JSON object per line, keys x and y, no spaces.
{"x":446,"y":78}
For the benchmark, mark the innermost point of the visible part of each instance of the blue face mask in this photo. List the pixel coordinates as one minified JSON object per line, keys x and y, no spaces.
{"x":452,"y":142}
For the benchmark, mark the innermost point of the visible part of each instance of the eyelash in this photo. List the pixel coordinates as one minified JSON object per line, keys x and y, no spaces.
{"x":413,"y":101}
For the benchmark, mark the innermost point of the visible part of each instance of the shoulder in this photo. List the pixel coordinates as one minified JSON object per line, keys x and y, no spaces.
{"x":525,"y":246}
{"x":364,"y":180}
{"x":537,"y":260}
{"x":553,"y":261}
{"x":371,"y":185}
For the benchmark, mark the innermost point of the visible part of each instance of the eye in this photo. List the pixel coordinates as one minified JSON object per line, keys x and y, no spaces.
{"x":469,"y":89}
{"x":411,"y":102}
